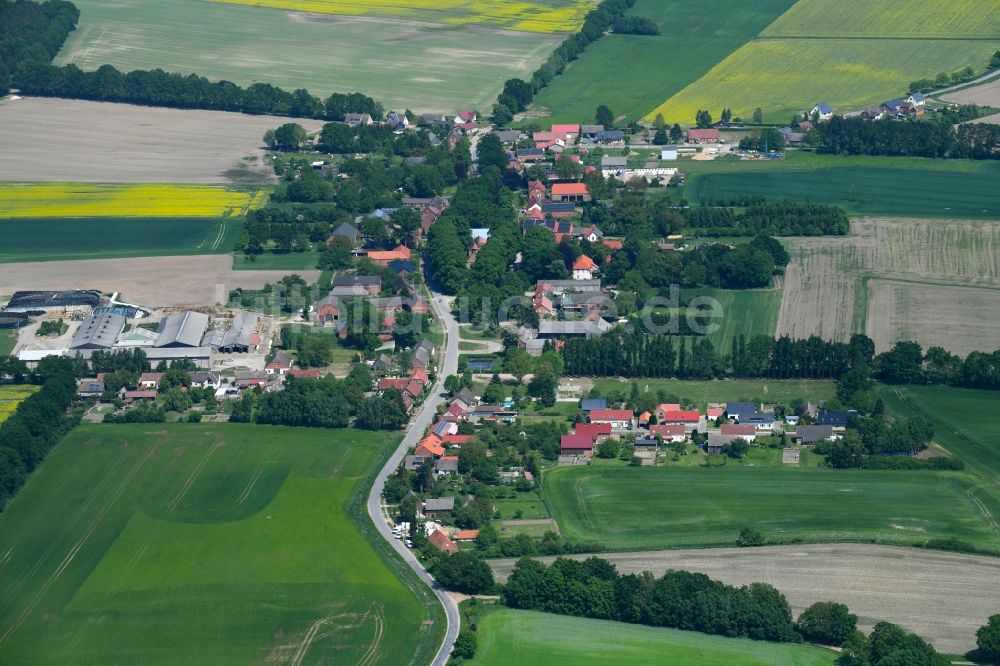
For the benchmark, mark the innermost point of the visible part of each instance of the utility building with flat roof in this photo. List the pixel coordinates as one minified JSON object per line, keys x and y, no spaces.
{"x":184,"y":329}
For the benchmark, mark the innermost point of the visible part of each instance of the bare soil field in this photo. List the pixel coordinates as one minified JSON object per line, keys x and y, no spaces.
{"x":987,"y":94}
{"x":55,"y":140}
{"x":993,"y":120}
{"x":960,"y":319}
{"x":825,"y":290}
{"x":943,"y":597}
{"x":156,"y":282}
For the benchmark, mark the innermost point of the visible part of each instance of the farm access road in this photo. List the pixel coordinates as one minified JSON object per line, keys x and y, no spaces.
{"x":414,"y":432}
{"x":943,"y":597}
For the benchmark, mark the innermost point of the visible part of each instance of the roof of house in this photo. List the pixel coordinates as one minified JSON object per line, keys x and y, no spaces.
{"x":558,"y":207}
{"x":738,"y":429}
{"x":715,"y":412}
{"x":707,"y":133}
{"x":813,"y":433}
{"x":735,"y":408}
{"x":669,"y":407}
{"x":151,"y":377}
{"x":441,"y":541}
{"x":718,"y":439}
{"x":823,"y":108}
{"x":346,"y":230}
{"x":576,"y":442}
{"x":140,"y":395}
{"x":667,"y":430}
{"x":466,"y":535}
{"x":830,"y":417}
{"x":592,"y":429}
{"x":439,"y":504}
{"x":610,"y":415}
{"x":354,"y":279}
{"x":588,"y":404}
{"x":452,"y":440}
{"x":646,"y":441}
{"x":565,"y":189}
{"x":565,"y":129}
{"x":401,"y":252}
{"x":689,"y":416}
{"x":584,"y":263}
{"x":614,"y":161}
{"x":386,"y":383}
{"x":596,"y":327}
{"x":446,"y":464}
{"x":281,"y":360}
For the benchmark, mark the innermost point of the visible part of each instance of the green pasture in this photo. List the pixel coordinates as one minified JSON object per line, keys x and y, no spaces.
{"x":290,"y":261}
{"x":560,"y":640}
{"x":881,"y":187}
{"x":630,"y":508}
{"x":746,"y":312}
{"x":725,"y":390}
{"x":403,"y":64}
{"x":166,"y":544}
{"x":632,"y":74}
{"x":57,"y":239}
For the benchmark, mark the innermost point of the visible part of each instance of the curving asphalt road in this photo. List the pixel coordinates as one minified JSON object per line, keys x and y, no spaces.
{"x":418,"y":424}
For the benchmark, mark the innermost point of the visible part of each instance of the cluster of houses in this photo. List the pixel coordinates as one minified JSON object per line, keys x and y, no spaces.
{"x":330,"y":310}
{"x":721,"y":423}
{"x":464,"y":121}
{"x":413,"y":385}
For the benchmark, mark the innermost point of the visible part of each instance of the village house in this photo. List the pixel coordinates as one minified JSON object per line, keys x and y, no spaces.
{"x":372,"y":284}
{"x":385,"y":257}
{"x":429,"y":446}
{"x":150,"y":380}
{"x":706,"y":135}
{"x":441,"y":541}
{"x":619,"y":419}
{"x":669,"y":433}
{"x":346,"y":231}
{"x":689,"y":419}
{"x":598,"y":432}
{"x":570,"y":192}
{"x":589,"y":404}
{"x":576,"y":445}
{"x":279,"y":364}
{"x":822,"y":110}
{"x":745,"y":431}
{"x":807,"y":435}
{"x":584,"y":268}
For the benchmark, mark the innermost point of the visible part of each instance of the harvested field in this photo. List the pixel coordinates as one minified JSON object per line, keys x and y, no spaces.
{"x":822,"y":294}
{"x":960,"y":319}
{"x":943,"y":597}
{"x":987,"y":94}
{"x":185,"y":281}
{"x":55,"y":140}
{"x":417,"y":64}
{"x":993,"y":120}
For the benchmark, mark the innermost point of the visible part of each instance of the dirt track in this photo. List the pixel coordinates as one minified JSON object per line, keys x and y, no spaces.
{"x":52,"y":140}
{"x":943,"y":597}
{"x":151,"y":282}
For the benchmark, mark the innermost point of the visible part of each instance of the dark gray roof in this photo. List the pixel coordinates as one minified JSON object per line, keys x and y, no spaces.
{"x":350,"y":280}
{"x":813,"y":433}
{"x":347,"y":230}
{"x":98,"y":331}
{"x":832,"y":418}
{"x":439,"y":504}
{"x":446,"y":466}
{"x":588,"y":404}
{"x":183,"y":329}
{"x":736,"y":408}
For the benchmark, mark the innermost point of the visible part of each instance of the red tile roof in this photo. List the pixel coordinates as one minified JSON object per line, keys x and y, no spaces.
{"x":466,"y":535}
{"x":738,"y":429}
{"x":592,"y":430}
{"x":613,"y":243}
{"x":565,"y":129}
{"x":584,"y":263}
{"x":304,"y":373}
{"x":563,"y":189}
{"x":429,"y":446}
{"x":397,"y":383}
{"x":691,"y":416}
{"x":666,"y":430}
{"x":702,"y":134}
{"x":441,"y":541}
{"x":419,"y":374}
{"x":401,"y":252}
{"x":610,"y":415}
{"x":576,"y":442}
{"x":458,"y":439}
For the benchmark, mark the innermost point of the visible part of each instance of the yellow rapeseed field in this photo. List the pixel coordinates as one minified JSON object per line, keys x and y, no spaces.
{"x":11,"y":397}
{"x":142,"y":200}
{"x":889,"y":18}
{"x":785,"y":76}
{"x":525,"y":15}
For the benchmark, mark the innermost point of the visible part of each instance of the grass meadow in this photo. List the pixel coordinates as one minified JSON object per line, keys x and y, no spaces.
{"x":748,"y":312}
{"x":559,"y":640}
{"x":403,"y":64}
{"x":538,"y":16}
{"x":196,"y":544}
{"x":893,"y":187}
{"x":57,"y":239}
{"x":64,"y":200}
{"x":784,"y":76}
{"x":292,"y":261}
{"x":628,"y":508}
{"x":12,"y":396}
{"x":633,"y":74}
{"x":726,"y":390}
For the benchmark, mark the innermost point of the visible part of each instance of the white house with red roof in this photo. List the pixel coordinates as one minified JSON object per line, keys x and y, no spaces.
{"x":584,"y":268}
{"x":620,"y":419}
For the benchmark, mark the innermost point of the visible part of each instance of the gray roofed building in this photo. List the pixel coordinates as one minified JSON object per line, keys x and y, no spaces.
{"x":239,"y":336}
{"x":591,"y":130}
{"x":467,"y":396}
{"x":588,"y":404}
{"x":98,"y":331}
{"x":508,"y":136}
{"x":439,"y":504}
{"x":183,"y":329}
{"x":534,"y":346}
{"x":557,"y":329}
{"x":413,"y":463}
{"x":446,"y":466}
{"x":560,"y":286}
{"x":349,"y":291}
{"x":614,"y":162}
{"x":810,"y":434}
{"x":364,"y":280}
{"x":348,"y":231}
{"x":735,"y":409}
{"x":717,"y":441}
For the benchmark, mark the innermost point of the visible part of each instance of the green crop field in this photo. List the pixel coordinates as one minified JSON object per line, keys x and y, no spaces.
{"x":964,"y":421}
{"x":748,"y":312}
{"x":559,"y":640}
{"x":627,"y":508}
{"x":633,"y":74}
{"x":783,"y":76}
{"x":167,"y":544}
{"x":726,"y":390}
{"x":881,"y":188}
{"x":291,"y":261}
{"x":404,"y":64}
{"x":914,"y":18}
{"x":55,"y":239}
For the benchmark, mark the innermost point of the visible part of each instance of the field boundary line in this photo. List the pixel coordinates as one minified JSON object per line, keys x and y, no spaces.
{"x":79,"y":544}
{"x":191,"y":478}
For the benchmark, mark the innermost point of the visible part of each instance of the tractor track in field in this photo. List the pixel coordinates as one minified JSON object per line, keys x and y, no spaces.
{"x":192,"y":477}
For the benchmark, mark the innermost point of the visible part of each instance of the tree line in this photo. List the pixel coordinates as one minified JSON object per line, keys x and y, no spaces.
{"x":37,"y":425}
{"x":776,"y":218}
{"x":906,"y":363}
{"x":857,"y":136}
{"x":517,"y":93}
{"x":31,"y":35}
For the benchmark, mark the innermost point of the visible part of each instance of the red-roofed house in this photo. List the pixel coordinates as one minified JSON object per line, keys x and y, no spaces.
{"x":453,"y":440}
{"x":466,"y":535}
{"x":613,"y":243}
{"x":441,"y":541}
{"x":420,"y":375}
{"x":133,"y":396}
{"x":465,"y":116}
{"x":542,"y":305}
{"x":429,"y":446}
{"x":414,"y":387}
{"x":715,"y":412}
{"x":689,"y":419}
{"x":747,"y":431}
{"x":568,"y":132}
{"x":387,"y":383}
{"x":644,"y":418}
{"x":150,"y":380}
{"x":385,"y":257}
{"x":665,"y":408}
{"x":575,"y":445}
{"x":584,"y":268}
{"x":596,"y":431}
{"x":708,"y":135}
{"x":304,"y":373}
{"x":669,"y":433}
{"x":619,"y":419}
{"x":572,"y":192}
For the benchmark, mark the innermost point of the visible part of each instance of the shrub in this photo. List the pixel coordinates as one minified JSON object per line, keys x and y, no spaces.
{"x":749,"y":538}
{"x":828,"y":623}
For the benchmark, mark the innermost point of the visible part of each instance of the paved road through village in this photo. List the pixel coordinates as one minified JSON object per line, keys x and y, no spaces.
{"x":418,"y":424}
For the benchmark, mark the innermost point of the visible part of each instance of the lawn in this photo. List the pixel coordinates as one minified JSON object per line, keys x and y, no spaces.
{"x":8,"y":338}
{"x":531,"y":16}
{"x":56,"y":239}
{"x":916,"y":188}
{"x":508,"y":637}
{"x":403,"y":64}
{"x":69,"y":200}
{"x":291,"y":261}
{"x":12,"y":396}
{"x":783,"y":76}
{"x":633,"y":74}
{"x":203,"y":545}
{"x":726,"y":390}
{"x":628,"y":508}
